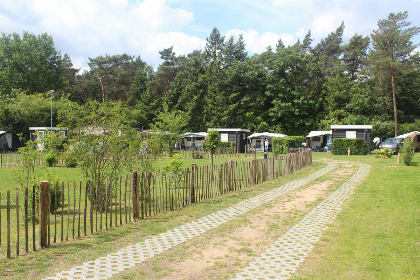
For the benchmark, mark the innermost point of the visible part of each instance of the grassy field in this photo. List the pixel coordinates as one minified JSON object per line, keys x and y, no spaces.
{"x":376,"y":236}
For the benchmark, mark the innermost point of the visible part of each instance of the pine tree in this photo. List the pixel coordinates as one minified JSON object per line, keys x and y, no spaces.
{"x":393,"y":50}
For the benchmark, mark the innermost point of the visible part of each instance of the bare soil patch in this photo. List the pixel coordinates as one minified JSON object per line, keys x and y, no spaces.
{"x":222,"y":252}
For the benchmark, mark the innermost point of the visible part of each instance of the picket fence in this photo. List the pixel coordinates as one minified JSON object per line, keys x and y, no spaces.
{"x":72,"y":210}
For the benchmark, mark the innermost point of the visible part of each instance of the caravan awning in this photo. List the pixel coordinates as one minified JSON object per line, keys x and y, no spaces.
{"x":266,"y":135}
{"x":194,"y":134}
{"x":410,"y":134}
{"x":318,"y":133}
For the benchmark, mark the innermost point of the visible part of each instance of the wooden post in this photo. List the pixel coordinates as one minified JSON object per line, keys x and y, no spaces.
{"x":229,"y":176}
{"x":348,"y":151}
{"x":399,"y":158}
{"x":192,"y":183}
{"x":43,"y":213}
{"x":9,"y":255}
{"x":135,"y":195}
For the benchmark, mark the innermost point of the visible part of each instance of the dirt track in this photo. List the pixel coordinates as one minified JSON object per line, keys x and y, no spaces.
{"x":225,"y":250}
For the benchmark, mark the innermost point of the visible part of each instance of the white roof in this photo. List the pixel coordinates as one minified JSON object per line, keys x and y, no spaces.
{"x":229,"y":129}
{"x":36,"y":128}
{"x":410,"y":134}
{"x":194,"y":134}
{"x":2,"y":132}
{"x":351,"y":127}
{"x":266,"y":135}
{"x":318,"y":133}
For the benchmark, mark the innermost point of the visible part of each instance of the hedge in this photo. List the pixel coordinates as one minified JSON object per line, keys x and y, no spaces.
{"x":281,"y":144}
{"x":357,"y":146}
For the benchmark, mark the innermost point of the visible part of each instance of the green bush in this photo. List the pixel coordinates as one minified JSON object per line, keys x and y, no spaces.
{"x":71,"y":160}
{"x":50,"y":159}
{"x":406,"y":151}
{"x":384,"y":153}
{"x":357,"y":146}
{"x":280,"y":145}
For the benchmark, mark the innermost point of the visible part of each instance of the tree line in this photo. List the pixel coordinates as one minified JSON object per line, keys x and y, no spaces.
{"x":287,"y":89}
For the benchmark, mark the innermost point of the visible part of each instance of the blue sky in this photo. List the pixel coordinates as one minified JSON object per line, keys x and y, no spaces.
{"x":89,"y":28}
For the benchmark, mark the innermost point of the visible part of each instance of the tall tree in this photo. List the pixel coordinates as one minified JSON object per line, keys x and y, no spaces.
{"x":31,"y":63}
{"x":393,"y":50}
{"x":106,"y":67}
{"x":355,"y":55}
{"x":328,"y":50}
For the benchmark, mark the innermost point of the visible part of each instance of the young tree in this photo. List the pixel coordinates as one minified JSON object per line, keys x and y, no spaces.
{"x":393,"y":50}
{"x":212,"y":143}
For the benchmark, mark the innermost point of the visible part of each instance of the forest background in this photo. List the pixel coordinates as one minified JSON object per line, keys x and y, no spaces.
{"x":286,"y":89}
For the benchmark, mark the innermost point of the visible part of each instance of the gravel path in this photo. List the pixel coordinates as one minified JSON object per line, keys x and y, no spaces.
{"x":278,"y":262}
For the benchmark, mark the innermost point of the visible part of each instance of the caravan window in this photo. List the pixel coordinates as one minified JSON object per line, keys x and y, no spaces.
{"x":351,"y":134}
{"x":40,"y":135}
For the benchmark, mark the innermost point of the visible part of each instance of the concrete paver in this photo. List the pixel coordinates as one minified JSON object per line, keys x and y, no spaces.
{"x":295,"y":244}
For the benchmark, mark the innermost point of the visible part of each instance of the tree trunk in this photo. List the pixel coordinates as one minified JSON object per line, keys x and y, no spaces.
{"x":394,"y":98}
{"x":103,"y":89}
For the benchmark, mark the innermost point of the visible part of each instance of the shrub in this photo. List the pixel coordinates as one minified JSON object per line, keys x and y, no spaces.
{"x":406,"y":151}
{"x":357,"y":146}
{"x":280,"y":145}
{"x":71,"y":160}
{"x":384,"y":153}
{"x":51,"y":159}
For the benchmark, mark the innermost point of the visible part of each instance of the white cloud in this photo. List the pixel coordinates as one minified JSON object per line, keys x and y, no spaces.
{"x":293,"y":3}
{"x":258,"y":43}
{"x":99,"y":27}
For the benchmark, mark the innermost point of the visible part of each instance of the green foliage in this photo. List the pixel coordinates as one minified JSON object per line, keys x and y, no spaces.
{"x":20,"y":111}
{"x":393,"y":51}
{"x":357,"y":146}
{"x":212,"y":142}
{"x":30,"y":63}
{"x":99,"y":140}
{"x":175,"y":163}
{"x":384,"y":153}
{"x":407,"y":151}
{"x":70,"y":159}
{"x":50,"y":159}
{"x":280,"y":145}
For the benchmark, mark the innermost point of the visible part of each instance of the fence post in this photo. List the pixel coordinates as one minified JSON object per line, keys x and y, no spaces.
{"x":229,"y":176}
{"x":43,"y":213}
{"x":135,"y":195}
{"x":192,"y":183}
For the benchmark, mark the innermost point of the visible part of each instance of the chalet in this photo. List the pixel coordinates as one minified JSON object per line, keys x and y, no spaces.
{"x":353,"y":131}
{"x":235,"y":135}
{"x":38,"y":133}
{"x":9,"y":141}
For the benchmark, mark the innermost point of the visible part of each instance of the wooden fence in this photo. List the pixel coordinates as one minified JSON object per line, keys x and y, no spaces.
{"x":71,"y":210}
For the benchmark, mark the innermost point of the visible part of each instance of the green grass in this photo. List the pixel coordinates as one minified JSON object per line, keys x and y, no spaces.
{"x":377,"y":235}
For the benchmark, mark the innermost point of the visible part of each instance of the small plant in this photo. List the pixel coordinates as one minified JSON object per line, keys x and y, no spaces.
{"x":51,"y":159}
{"x":384,"y":153}
{"x":198,"y":154}
{"x":407,"y":151}
{"x":71,"y":160}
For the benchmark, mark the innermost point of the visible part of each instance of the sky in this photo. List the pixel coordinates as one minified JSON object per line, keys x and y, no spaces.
{"x":90,"y":28}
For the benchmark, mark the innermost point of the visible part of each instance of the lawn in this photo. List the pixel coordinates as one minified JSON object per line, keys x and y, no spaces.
{"x":376,"y":236}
